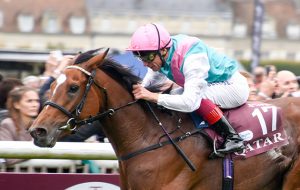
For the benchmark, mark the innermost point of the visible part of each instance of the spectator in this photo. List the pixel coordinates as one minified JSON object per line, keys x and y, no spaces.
{"x":6,"y":85}
{"x":32,"y":81}
{"x":253,"y":90}
{"x":267,"y":89}
{"x":287,"y":84}
{"x":259,"y":75}
{"x":271,"y":72}
{"x":23,"y":105}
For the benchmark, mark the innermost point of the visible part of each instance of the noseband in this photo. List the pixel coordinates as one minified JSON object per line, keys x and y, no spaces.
{"x":72,"y":123}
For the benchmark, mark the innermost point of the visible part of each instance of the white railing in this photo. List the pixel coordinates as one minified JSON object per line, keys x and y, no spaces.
{"x":62,"y":150}
{"x":63,"y":157}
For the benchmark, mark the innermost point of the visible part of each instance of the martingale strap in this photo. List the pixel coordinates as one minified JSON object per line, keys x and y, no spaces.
{"x":159,"y":145}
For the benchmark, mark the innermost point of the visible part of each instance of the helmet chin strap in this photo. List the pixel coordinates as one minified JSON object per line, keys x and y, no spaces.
{"x":162,"y":58}
{"x":158,"y":48}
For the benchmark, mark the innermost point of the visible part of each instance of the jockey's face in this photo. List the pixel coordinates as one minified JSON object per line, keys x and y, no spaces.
{"x":149,"y":58}
{"x":155,"y":65}
{"x":158,"y":60}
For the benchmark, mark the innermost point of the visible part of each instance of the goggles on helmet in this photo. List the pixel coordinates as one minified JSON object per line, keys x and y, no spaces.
{"x":145,"y":56}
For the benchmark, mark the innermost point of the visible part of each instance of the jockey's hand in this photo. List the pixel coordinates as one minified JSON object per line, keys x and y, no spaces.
{"x":140,"y":92}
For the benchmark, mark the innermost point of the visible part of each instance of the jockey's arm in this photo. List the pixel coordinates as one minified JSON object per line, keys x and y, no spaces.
{"x":195,"y":71}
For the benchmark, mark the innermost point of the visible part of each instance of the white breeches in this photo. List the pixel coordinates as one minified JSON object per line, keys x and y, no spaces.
{"x":228,"y":94}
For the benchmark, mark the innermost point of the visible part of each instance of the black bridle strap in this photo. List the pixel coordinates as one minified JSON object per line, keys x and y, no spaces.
{"x":159,"y":145}
{"x":87,"y":89}
{"x":62,"y":109}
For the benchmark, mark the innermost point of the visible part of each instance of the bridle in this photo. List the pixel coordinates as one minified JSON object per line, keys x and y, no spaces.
{"x":73,"y":122}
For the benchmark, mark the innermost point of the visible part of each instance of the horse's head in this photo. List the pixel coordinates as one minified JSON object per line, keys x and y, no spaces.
{"x":73,"y":97}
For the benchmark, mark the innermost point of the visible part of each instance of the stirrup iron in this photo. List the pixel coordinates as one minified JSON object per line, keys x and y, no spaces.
{"x":215,"y":153}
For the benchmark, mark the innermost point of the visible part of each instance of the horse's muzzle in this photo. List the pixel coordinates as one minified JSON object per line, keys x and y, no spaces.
{"x":42,"y":138}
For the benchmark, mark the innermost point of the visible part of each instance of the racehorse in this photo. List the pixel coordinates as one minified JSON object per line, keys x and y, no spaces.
{"x":97,"y":88}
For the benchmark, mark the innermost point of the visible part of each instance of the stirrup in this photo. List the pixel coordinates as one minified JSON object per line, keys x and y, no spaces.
{"x":215,"y":153}
{"x":236,"y":149}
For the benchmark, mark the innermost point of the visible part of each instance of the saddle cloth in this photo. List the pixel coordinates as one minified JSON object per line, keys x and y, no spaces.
{"x":259,"y":124}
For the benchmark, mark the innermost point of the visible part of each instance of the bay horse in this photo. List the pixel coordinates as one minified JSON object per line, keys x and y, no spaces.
{"x":95,"y":87}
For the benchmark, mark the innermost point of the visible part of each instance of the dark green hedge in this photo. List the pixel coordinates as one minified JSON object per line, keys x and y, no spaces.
{"x":280,"y":65}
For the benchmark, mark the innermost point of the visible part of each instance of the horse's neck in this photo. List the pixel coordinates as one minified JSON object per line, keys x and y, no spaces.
{"x":128,"y":128}
{"x":125,"y":127}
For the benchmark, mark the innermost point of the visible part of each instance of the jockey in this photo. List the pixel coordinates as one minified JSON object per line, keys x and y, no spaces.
{"x":209,"y":80}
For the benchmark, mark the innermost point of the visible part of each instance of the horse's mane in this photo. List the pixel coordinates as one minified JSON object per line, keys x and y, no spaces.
{"x":120,"y":73}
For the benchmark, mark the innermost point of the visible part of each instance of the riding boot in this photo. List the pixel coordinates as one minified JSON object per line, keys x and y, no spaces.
{"x":215,"y":118}
{"x":233,"y":142}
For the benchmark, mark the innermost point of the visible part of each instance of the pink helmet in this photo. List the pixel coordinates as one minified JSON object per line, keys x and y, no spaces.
{"x":150,"y":37}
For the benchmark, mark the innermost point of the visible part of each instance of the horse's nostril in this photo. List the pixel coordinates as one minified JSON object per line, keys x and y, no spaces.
{"x":39,"y":132}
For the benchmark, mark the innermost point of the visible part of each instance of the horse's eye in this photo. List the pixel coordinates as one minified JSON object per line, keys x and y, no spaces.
{"x":73,"y":88}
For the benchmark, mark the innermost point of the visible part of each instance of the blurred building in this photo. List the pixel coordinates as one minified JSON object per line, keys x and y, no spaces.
{"x":280,"y":31}
{"x":42,"y":25}
{"x":85,"y":24}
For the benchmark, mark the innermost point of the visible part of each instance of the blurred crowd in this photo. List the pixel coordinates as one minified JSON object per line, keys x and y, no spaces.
{"x":21,"y":100}
{"x":268,"y":83}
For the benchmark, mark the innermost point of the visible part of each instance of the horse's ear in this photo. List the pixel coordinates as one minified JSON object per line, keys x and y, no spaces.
{"x":97,"y":59}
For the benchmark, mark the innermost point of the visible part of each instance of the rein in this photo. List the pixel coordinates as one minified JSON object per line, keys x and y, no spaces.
{"x":177,"y":148}
{"x":109,"y":112}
